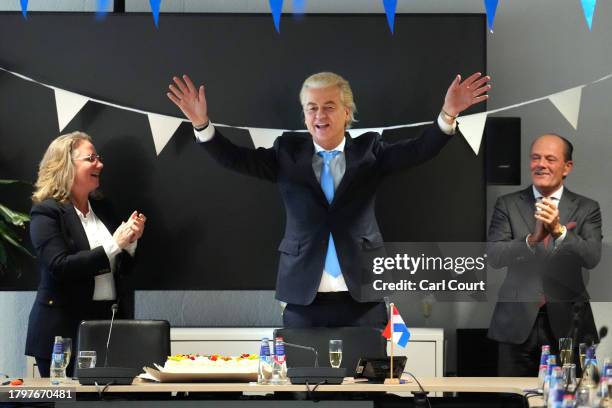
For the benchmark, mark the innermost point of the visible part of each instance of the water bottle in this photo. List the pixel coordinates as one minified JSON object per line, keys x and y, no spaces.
{"x":543,"y":366}
{"x":264,"y":372}
{"x":568,"y":401}
{"x":551,"y":364}
{"x":57,"y":371}
{"x":279,"y":365}
{"x":586,"y":395}
{"x":556,"y":389}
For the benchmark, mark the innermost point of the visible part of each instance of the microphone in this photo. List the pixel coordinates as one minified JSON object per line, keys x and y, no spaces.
{"x":114,"y":309}
{"x":316,"y":361}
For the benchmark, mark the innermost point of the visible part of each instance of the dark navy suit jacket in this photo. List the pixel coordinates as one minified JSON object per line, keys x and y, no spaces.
{"x":350,"y":217}
{"x":67,"y":270}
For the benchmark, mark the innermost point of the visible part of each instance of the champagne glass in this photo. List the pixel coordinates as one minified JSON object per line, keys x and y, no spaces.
{"x":335,"y":353}
{"x":565,"y":350}
{"x":582,"y":349}
{"x":67,"y":350}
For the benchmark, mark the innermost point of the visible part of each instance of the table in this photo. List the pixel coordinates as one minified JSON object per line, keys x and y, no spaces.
{"x":436,"y":384}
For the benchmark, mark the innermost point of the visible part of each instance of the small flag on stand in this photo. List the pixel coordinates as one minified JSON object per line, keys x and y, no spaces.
{"x":398,"y":333}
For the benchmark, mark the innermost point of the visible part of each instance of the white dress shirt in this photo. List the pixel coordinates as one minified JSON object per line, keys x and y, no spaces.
{"x":98,"y":235}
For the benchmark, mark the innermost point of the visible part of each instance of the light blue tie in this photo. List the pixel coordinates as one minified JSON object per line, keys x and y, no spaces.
{"x":332,"y":266}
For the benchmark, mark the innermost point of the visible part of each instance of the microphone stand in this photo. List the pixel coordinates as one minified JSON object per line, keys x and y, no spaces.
{"x":316,"y":362}
{"x":114,"y":308}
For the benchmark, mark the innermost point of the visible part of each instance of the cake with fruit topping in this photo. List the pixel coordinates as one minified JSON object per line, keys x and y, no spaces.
{"x":215,"y":363}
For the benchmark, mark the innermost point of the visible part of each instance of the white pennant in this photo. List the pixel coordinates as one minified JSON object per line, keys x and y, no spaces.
{"x":162,"y":129}
{"x":568,"y":103}
{"x":264,"y":137}
{"x":472,"y":128}
{"x":358,"y":132}
{"x":67,"y":105}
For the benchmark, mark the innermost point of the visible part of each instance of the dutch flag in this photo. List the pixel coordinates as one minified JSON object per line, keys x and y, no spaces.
{"x":401,"y":334}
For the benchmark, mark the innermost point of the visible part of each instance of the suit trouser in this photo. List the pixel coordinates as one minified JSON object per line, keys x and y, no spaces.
{"x":523,"y":360}
{"x":335,"y":309}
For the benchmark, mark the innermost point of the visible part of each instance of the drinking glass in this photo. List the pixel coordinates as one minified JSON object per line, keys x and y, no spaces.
{"x":87,"y":359}
{"x":565,"y":350}
{"x":67,"y":350}
{"x":335,"y":353}
{"x":569,"y":377}
{"x":582,"y":349}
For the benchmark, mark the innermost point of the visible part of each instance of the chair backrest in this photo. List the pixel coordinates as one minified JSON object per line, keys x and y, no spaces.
{"x":357,"y":342}
{"x":133,"y":343}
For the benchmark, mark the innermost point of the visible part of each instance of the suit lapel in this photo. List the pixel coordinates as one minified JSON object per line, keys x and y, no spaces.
{"x":567,"y":207}
{"x":350,"y":157}
{"x":304,"y":167}
{"x":526,"y":207}
{"x":75,"y":227}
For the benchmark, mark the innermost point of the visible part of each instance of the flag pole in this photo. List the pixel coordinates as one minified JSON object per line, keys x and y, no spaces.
{"x":391,"y":320}
{"x":391,"y":380}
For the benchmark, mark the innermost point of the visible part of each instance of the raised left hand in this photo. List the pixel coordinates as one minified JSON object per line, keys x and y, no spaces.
{"x":462,"y":95}
{"x":136,"y":223}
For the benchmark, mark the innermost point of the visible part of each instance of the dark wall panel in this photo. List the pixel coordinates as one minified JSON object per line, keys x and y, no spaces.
{"x":209,"y":228}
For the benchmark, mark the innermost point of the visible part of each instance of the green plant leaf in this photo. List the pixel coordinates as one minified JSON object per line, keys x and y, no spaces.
{"x":14,"y":217}
{"x":9,"y":236}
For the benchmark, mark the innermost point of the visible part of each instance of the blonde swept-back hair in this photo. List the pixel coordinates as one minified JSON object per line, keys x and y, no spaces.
{"x":325,"y":79}
{"x":56,"y":169}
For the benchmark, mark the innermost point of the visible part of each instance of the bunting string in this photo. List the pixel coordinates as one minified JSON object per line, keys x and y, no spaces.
{"x":163,"y":127}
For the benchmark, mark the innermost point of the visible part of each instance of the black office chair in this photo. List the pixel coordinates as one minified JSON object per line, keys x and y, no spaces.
{"x":357,"y":342}
{"x":133,"y":343}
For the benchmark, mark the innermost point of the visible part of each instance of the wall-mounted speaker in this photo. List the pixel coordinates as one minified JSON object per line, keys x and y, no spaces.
{"x":502,"y":138}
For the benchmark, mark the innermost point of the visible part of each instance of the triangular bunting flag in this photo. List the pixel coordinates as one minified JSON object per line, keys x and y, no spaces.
{"x":155,"y":5}
{"x":102,"y":8}
{"x":277,"y":8}
{"x":491,"y":9}
{"x":299,"y":7}
{"x":390,"y":7}
{"x":24,"y":8}
{"x":358,"y":132}
{"x":568,"y":103}
{"x":263,"y":137}
{"x":588,"y":6}
{"x":162,"y":129}
{"x":67,"y":104}
{"x":472,"y":128}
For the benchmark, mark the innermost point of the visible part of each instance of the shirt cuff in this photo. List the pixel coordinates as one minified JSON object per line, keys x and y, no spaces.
{"x":445,"y":127}
{"x":111,"y":248}
{"x":131,"y":248}
{"x":527,"y":243}
{"x":561,"y":237}
{"x":205,"y":135}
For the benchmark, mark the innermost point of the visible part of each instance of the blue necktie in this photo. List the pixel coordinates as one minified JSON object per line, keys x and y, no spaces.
{"x":332,"y":266}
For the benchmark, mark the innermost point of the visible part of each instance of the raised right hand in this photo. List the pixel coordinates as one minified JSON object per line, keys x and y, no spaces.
{"x":191,"y":101}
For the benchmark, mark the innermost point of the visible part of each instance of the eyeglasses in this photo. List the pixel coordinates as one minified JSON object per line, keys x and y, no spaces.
{"x":92,"y":158}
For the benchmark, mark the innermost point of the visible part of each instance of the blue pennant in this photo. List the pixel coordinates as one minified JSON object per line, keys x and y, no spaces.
{"x":24,"y":8}
{"x":155,"y":9}
{"x":101,"y":8}
{"x":390,"y":7}
{"x":277,"y":8}
{"x":588,"y":6}
{"x":299,"y":7}
{"x":491,"y":8}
